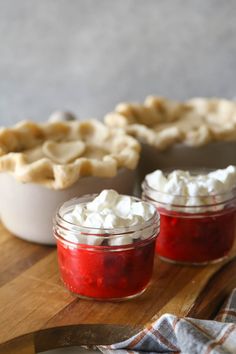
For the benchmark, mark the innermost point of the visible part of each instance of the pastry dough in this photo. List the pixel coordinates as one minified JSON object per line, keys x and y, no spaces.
{"x":57,"y":154}
{"x":162,"y":123}
{"x":63,"y":153}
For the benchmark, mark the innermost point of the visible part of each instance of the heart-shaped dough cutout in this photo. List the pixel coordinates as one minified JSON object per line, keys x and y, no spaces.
{"x":63,"y":152}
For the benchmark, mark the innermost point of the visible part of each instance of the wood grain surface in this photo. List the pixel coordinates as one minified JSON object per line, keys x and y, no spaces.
{"x":36,"y":309}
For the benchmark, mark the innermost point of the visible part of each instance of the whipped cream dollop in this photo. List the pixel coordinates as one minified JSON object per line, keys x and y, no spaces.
{"x":108,"y":211}
{"x":191,"y":190}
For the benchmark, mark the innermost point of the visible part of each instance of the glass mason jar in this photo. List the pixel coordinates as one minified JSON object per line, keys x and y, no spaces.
{"x":96,"y":265}
{"x":199,"y":233}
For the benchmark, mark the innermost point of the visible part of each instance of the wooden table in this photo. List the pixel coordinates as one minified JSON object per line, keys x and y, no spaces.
{"x":38,"y":312}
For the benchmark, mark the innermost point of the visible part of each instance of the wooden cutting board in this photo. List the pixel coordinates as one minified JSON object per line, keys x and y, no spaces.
{"x":36,"y":311}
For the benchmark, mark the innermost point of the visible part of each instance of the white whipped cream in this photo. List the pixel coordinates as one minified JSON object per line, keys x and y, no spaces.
{"x":110,"y":210}
{"x":185,"y":189}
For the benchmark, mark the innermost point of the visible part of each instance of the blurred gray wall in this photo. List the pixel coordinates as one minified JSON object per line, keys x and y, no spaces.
{"x":88,"y":55}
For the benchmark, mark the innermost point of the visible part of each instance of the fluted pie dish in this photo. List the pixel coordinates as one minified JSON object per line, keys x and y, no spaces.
{"x":43,"y":165}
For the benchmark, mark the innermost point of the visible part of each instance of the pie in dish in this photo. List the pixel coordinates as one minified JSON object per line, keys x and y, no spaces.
{"x":43,"y":165}
{"x":196,"y":133}
{"x":56,"y":154}
{"x":162,"y":123}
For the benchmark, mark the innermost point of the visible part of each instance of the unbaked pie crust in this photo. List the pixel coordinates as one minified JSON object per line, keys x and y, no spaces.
{"x":57,"y":154}
{"x":162,"y":123}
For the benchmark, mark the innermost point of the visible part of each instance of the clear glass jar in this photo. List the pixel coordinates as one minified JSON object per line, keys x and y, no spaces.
{"x":96,"y":268}
{"x":195,"y":233}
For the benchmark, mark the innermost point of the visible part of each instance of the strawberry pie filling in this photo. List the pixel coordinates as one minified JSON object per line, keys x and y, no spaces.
{"x":104,"y":274}
{"x":196,"y":239}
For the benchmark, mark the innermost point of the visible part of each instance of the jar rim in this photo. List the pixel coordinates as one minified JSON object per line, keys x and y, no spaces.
{"x":194,"y":171}
{"x":231,"y":193}
{"x":101,"y":232}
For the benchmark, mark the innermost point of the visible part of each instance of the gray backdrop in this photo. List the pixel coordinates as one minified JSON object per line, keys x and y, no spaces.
{"x":88,"y":55}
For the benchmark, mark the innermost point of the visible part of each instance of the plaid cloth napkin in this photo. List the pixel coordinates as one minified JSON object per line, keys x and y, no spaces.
{"x":171,"y":334}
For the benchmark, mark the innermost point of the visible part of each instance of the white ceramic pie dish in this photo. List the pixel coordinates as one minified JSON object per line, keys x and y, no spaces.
{"x":44,"y":164}
{"x":27,"y":209}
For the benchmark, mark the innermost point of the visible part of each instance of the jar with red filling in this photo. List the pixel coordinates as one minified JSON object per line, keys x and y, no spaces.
{"x":196,"y":233}
{"x":99,"y":270}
